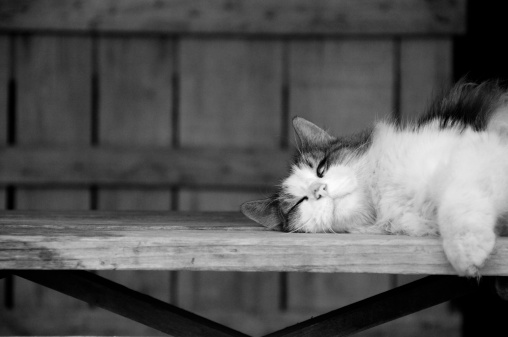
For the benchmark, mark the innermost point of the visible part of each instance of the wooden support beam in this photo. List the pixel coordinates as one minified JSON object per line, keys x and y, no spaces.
{"x":147,"y":166}
{"x":298,"y":17}
{"x":121,"y":300}
{"x":382,"y":308}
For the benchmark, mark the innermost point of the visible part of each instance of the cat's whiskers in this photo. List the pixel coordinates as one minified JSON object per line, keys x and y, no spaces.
{"x":302,"y":226}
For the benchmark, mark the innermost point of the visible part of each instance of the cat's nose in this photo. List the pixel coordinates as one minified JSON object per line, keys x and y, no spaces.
{"x":318,"y":189}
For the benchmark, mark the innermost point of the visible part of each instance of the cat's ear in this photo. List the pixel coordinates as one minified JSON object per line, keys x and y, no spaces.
{"x":310,"y":134}
{"x":264,"y":212}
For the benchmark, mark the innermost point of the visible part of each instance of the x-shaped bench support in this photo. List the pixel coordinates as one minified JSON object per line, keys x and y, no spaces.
{"x":376,"y":310}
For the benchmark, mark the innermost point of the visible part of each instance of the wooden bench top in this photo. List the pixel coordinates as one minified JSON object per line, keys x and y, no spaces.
{"x":208,"y":241}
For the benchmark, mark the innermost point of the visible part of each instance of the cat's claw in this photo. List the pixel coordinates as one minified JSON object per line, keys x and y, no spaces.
{"x":468,"y":252}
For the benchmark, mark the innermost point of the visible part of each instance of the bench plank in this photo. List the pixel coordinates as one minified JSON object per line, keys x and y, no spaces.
{"x":209,"y":241}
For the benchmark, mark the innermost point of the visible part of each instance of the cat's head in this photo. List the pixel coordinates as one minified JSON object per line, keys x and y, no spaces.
{"x":324,"y":191}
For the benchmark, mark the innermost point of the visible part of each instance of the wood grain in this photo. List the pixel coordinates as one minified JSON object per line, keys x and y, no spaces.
{"x":4,"y":84}
{"x":426,"y":70}
{"x":341,"y":85}
{"x":251,"y":293}
{"x":135,"y":91}
{"x":230,"y":93}
{"x":153,"y":241}
{"x":238,"y":17}
{"x":148,"y":166}
{"x":53,"y":77}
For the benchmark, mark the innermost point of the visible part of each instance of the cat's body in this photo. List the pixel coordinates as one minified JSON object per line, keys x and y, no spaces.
{"x":446,"y":174}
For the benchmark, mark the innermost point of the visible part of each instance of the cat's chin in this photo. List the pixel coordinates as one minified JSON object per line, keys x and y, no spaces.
{"x":352,"y":213}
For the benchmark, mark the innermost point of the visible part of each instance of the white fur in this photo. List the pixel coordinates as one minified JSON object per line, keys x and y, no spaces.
{"x":428,"y":182}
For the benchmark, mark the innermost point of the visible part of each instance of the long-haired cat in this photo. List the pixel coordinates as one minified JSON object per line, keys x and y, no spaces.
{"x":445,"y":174}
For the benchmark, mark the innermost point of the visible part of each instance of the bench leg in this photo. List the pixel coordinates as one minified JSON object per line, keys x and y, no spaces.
{"x":121,"y":300}
{"x":384,"y":307}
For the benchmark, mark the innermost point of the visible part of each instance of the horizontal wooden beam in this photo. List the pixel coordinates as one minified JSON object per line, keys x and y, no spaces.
{"x":156,"y":167}
{"x":209,"y":241}
{"x":382,"y":308}
{"x":295,"y":17}
{"x":126,"y":302}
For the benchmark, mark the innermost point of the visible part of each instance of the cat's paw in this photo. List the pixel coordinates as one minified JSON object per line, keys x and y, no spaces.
{"x":468,"y":252}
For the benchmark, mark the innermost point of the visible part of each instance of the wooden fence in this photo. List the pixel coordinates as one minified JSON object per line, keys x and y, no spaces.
{"x":186,"y":105}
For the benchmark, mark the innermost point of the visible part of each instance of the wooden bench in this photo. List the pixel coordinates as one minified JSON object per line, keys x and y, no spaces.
{"x":57,"y":249}
{"x":123,"y":124}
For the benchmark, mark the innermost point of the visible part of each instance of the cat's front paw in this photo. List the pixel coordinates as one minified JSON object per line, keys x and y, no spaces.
{"x":468,"y":252}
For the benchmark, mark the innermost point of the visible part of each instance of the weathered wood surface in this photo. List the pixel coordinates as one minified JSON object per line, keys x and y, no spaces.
{"x":209,"y":241}
{"x":154,"y":166}
{"x":426,"y":67}
{"x":344,"y":85}
{"x":230,"y":87}
{"x":240,"y":16}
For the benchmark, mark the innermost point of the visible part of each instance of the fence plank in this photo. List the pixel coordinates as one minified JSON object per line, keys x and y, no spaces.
{"x":53,"y":77}
{"x":53,"y":107}
{"x":135,"y":109}
{"x":342,"y":85}
{"x":238,"y":17}
{"x":5,"y":298}
{"x":244,"y":104}
{"x":4,"y":84}
{"x":426,"y":69}
{"x":135,"y":91}
{"x":230,"y":98}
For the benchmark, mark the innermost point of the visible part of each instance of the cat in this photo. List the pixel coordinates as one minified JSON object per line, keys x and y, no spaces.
{"x":444,"y":174}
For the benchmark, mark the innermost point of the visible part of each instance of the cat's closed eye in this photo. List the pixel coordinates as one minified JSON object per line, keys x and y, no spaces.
{"x":298,"y":203}
{"x":321,"y":169}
